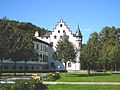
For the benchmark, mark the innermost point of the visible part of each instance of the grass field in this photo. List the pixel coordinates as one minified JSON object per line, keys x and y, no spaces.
{"x":95,"y":77}
{"x":83,"y":87}
{"x":83,"y":77}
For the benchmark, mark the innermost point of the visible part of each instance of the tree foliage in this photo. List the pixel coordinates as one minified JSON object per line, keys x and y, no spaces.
{"x":65,"y":51}
{"x":102,"y":50}
{"x":16,"y":40}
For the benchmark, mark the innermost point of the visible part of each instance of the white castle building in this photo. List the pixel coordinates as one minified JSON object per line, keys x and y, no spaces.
{"x":54,"y":36}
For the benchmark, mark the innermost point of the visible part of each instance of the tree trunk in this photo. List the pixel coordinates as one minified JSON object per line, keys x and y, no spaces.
{"x":15,"y":68}
{"x":25,"y":68}
{"x":75,"y":67}
{"x":104,"y":68}
{"x":88,"y":71}
{"x":112,"y":69}
{"x":65,"y":68}
{"x":115,"y":68}
{"x":1,"y":61}
{"x":118,"y":70}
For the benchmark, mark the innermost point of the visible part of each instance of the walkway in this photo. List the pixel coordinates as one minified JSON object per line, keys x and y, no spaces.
{"x":94,"y":83}
{"x":11,"y":80}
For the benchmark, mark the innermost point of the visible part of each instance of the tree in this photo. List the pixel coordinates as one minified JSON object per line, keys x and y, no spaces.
{"x":22,"y":49}
{"x":89,"y":53}
{"x":102,"y":50}
{"x":3,"y":41}
{"x":109,"y":47}
{"x":16,"y":43}
{"x":65,"y":51}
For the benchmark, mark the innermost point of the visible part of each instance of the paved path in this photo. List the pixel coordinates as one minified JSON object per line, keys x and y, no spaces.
{"x":11,"y":80}
{"x":94,"y":83}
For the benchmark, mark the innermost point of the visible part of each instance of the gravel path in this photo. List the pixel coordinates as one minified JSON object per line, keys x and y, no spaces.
{"x":94,"y":83}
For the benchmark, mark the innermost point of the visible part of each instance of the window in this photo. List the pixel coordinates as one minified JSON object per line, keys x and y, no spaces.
{"x":6,"y":67}
{"x":46,"y":58}
{"x":46,"y":49}
{"x":60,"y":37}
{"x":68,"y":37}
{"x":60,"y":25}
{"x":13,"y":67}
{"x":55,"y":37}
{"x":69,"y":64}
{"x":58,"y":31}
{"x":37,"y":46}
{"x":46,"y":37}
{"x":63,"y":31}
{"x":41,"y":48}
{"x":27,"y":67}
{"x":20,"y":67}
{"x":80,"y":44}
{"x":46,"y":67}
{"x":32,"y":67}
{"x":52,"y":64}
{"x":40,"y":57}
{"x":51,"y":43}
{"x":43,"y":58}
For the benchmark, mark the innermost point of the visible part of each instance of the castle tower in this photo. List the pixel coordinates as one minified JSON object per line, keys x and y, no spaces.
{"x":79,"y":38}
{"x":78,"y":44}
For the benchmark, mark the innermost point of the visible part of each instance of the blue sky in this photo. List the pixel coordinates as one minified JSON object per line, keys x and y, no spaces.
{"x":92,"y":15}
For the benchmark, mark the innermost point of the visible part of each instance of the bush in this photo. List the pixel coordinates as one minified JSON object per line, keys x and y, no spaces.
{"x":54,"y":76}
{"x":24,"y":85}
{"x":5,"y":86}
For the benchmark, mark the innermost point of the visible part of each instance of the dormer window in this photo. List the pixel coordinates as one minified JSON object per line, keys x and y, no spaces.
{"x":58,"y":31}
{"x":60,"y":25}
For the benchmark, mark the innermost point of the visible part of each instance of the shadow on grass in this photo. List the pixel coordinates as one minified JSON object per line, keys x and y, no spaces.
{"x":86,"y":75}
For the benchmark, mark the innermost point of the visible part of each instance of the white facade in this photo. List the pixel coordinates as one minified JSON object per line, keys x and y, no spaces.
{"x":54,"y":36}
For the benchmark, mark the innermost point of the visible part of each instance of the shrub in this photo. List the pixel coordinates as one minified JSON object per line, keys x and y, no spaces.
{"x":54,"y":76}
{"x":24,"y":85}
{"x":5,"y":86}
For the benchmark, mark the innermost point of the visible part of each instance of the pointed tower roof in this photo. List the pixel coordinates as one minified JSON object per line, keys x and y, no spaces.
{"x":78,"y":32}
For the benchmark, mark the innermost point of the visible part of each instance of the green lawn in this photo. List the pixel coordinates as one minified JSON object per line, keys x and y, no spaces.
{"x":83,"y":77}
{"x":83,"y":87}
{"x":95,"y":77}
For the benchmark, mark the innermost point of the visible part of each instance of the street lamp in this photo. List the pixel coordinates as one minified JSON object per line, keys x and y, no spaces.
{"x":59,"y":68}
